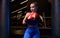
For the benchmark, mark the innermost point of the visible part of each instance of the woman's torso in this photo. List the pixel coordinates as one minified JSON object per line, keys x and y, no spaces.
{"x":33,"y":23}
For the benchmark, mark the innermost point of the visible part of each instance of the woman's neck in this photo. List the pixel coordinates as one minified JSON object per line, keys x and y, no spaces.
{"x":33,"y":11}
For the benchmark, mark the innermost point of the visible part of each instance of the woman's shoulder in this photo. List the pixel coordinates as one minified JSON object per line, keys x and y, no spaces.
{"x":28,"y":13}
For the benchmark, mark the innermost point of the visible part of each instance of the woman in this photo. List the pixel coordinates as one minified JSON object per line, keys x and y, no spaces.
{"x":32,"y":20}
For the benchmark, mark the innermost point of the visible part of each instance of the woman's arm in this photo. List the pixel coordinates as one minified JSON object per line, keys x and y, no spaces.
{"x":24,"y":20}
{"x":41,"y":18}
{"x":43,"y":22}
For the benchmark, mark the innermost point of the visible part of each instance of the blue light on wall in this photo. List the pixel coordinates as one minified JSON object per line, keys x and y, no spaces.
{"x":8,"y":2}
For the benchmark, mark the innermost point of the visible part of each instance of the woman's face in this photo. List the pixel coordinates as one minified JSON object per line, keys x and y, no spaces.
{"x":33,"y":7}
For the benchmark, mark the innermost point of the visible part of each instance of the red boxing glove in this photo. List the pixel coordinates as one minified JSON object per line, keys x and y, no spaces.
{"x":30,"y":17}
{"x":33,"y":15}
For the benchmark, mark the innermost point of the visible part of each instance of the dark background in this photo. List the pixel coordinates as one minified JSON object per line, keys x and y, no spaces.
{"x":13,"y":28}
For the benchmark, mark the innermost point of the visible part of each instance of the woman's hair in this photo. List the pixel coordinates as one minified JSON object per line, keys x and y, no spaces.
{"x":36,"y":4}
